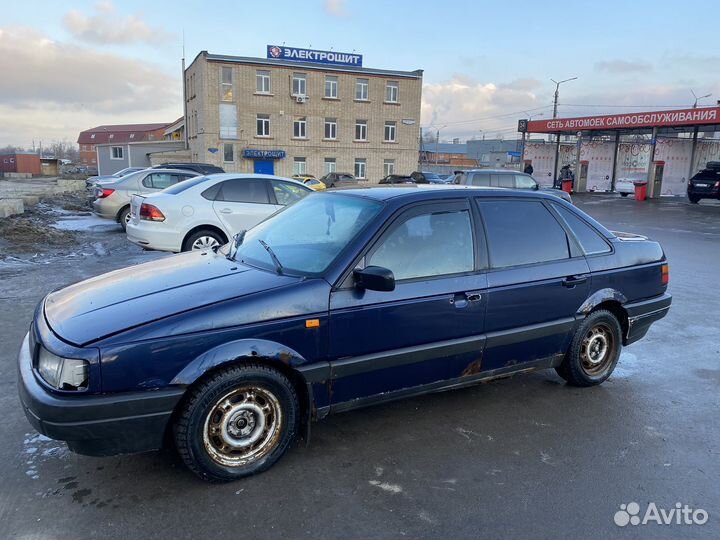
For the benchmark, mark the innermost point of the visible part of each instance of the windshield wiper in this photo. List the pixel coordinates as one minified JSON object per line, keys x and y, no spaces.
{"x":275,"y":260}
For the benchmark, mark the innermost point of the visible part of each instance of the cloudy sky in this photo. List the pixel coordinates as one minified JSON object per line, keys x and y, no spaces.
{"x":67,"y":66}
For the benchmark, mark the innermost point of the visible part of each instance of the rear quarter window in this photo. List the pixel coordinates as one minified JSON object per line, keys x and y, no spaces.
{"x":590,"y":240}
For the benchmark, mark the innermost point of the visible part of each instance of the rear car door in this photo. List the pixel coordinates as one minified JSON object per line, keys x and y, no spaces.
{"x":537,"y":281}
{"x":242,"y":203}
{"x":430,"y":327}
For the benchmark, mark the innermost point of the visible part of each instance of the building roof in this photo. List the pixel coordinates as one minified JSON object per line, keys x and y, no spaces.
{"x":445,"y":148}
{"x":417,"y":74}
{"x":176,"y":125}
{"x":119,"y":132}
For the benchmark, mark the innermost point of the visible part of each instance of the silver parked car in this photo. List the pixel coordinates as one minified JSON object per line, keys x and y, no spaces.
{"x":112,"y":198}
{"x":92,"y":181}
{"x":504,"y":178}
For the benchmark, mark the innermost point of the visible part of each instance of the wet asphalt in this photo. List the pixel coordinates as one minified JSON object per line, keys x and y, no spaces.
{"x":526,"y":457}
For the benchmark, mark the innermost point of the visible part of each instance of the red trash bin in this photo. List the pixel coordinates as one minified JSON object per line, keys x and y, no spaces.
{"x":640,"y":191}
{"x":567,"y":186}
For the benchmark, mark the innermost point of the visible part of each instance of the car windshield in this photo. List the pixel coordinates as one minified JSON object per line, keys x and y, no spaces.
{"x":307,"y":236}
{"x":431,"y":176}
{"x":185,"y":184}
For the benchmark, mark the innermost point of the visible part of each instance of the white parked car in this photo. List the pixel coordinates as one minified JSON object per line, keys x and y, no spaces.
{"x":207,"y":211}
{"x":624,"y":186}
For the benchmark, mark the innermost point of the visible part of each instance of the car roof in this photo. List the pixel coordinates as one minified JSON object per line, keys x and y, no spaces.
{"x":494,"y":171}
{"x":437,"y":191}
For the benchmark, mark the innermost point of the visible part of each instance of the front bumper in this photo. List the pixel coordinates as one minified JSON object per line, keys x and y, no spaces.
{"x":96,"y":425}
{"x":642,"y":314}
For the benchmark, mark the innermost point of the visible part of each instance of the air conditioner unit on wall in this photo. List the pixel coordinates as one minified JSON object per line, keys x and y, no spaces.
{"x":301,"y":98}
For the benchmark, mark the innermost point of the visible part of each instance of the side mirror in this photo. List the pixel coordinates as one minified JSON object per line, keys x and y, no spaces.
{"x":374,"y":278}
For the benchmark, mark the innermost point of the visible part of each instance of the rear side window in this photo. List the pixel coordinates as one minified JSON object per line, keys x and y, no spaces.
{"x":590,"y":240}
{"x":250,"y":190}
{"x":160,"y":180}
{"x":522,"y":232}
{"x":480,"y":179}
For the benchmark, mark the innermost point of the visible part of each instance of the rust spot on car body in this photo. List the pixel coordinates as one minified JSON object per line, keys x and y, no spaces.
{"x":473,"y":368}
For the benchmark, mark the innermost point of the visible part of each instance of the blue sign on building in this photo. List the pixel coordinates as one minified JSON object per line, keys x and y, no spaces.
{"x":251,"y":153}
{"x":318,"y":57}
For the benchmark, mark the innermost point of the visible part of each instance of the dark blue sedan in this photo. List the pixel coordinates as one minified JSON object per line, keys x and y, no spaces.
{"x":345,"y":299}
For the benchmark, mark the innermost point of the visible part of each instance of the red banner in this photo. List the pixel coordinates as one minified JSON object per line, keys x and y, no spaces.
{"x":682,"y":117}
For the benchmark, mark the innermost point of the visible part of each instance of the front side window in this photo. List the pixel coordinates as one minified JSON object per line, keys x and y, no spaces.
{"x":228,"y":121}
{"x":309,"y":235}
{"x":300,"y":128}
{"x":263,"y":125}
{"x":331,"y":86}
{"x":390,"y":129}
{"x":331,"y":128}
{"x":427,"y":245}
{"x":502,"y":180}
{"x":330,"y":165}
{"x":361,"y":89}
{"x":590,"y":240}
{"x":116,"y":152}
{"x":522,"y":232}
{"x":299,"y":84}
{"x":361,"y":130}
{"x":226,"y":83}
{"x":262,"y":81}
{"x":388,"y":167}
{"x":287,"y":193}
{"x":245,"y":190}
{"x":360,"y":168}
{"x":525,"y":182}
{"x":299,"y":165}
{"x":391,"y":92}
{"x":228,"y":152}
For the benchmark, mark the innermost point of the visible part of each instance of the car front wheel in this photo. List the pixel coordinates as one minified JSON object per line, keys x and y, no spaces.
{"x":594,"y":350}
{"x":624,"y":194}
{"x":237,"y":423}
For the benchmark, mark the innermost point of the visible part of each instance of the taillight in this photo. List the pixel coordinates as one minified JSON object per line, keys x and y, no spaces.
{"x":665,"y":274}
{"x":151,"y":213}
{"x":105,"y":193}
{"x":717,"y":184}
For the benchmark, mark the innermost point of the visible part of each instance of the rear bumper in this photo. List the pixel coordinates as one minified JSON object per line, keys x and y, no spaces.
{"x":150,"y":236}
{"x":105,"y":209}
{"x":96,"y":425}
{"x":642,"y":314}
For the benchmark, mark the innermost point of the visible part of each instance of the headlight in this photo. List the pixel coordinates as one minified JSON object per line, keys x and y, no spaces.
{"x":62,"y":373}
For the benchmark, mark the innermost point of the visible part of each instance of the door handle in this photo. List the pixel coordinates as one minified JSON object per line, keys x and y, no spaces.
{"x":226,"y":211}
{"x":473,"y":296}
{"x":571,"y":281}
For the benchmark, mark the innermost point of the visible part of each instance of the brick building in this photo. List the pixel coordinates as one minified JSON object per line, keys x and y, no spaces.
{"x":121,"y":134}
{"x":285,"y":117}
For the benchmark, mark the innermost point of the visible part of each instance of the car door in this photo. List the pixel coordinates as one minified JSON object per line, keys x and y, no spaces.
{"x":537,"y":281}
{"x":242,"y":203}
{"x":430,"y":327}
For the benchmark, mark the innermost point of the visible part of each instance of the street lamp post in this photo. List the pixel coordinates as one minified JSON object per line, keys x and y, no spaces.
{"x":555,"y":105}
{"x":437,"y":143}
{"x":698,"y":98}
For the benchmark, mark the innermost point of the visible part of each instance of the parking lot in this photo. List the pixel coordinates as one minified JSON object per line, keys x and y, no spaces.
{"x":524,"y":457}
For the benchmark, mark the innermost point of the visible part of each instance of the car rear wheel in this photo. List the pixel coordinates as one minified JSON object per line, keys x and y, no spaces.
{"x":594,"y":350}
{"x":203,"y":239}
{"x":124,"y":217}
{"x":624,"y":194}
{"x":694,"y":199}
{"x":237,"y":423}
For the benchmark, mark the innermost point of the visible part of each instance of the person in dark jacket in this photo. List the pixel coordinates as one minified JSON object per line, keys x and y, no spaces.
{"x":529,"y":169}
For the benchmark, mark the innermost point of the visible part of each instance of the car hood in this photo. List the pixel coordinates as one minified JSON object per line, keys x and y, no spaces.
{"x":127,"y":298}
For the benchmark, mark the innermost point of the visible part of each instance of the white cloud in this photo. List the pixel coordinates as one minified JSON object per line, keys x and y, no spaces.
{"x":107,"y":26}
{"x":335,"y":8}
{"x":56,"y":89}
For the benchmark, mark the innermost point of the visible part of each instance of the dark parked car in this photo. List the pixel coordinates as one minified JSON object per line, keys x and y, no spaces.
{"x":504,"y":178}
{"x":428,"y":178}
{"x":705,"y":184}
{"x":336,"y":179}
{"x":397,"y":179}
{"x":231,"y":352}
{"x":200,"y":168}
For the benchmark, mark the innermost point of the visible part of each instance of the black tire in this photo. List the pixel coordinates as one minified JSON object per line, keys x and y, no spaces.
{"x":600,"y":331}
{"x":204,"y":452}
{"x":124,"y":217}
{"x":694,"y":199}
{"x":624,"y":194}
{"x":198,"y":236}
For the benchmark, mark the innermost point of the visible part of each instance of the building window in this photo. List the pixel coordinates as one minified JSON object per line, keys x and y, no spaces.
{"x":299,"y":165}
{"x":390,"y":129}
{"x":391,"y":92}
{"x":132,"y":135}
{"x":226,"y":83}
{"x":262,"y":81}
{"x":388,"y":167}
{"x":92,"y":135}
{"x":331,"y":128}
{"x":263,"y":125}
{"x":300,"y":128}
{"x":331,"y":86}
{"x":116,"y":152}
{"x":360,"y":168}
{"x":361,"y":130}
{"x":112,"y":136}
{"x":299,"y":84}
{"x":361,"y":89}
{"x":330,"y":165}
{"x":228,"y":152}
{"x":228,"y":121}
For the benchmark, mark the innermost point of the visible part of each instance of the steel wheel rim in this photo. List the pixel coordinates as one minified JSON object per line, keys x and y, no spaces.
{"x":242,"y":426}
{"x":596,"y":350}
{"x":205,"y":242}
